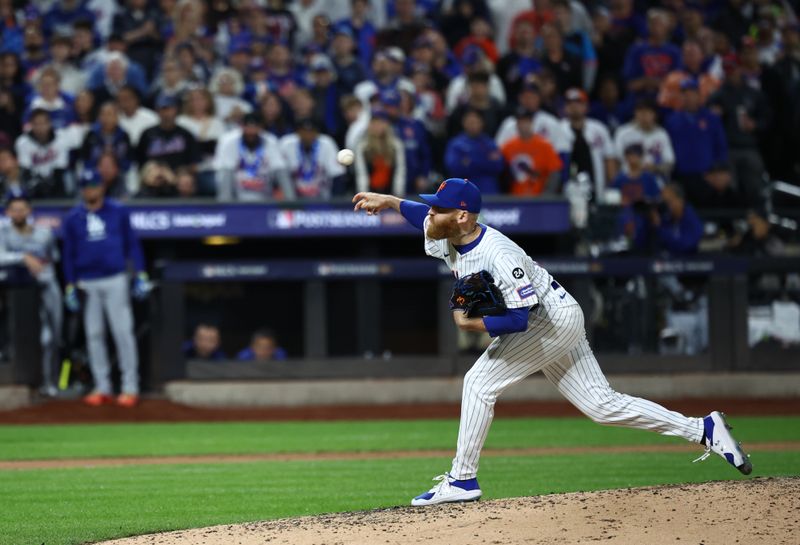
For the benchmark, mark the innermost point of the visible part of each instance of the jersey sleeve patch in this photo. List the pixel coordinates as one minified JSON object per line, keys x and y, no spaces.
{"x":526,"y":291}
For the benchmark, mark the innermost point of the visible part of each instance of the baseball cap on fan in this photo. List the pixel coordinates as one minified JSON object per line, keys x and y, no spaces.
{"x":455,"y":193}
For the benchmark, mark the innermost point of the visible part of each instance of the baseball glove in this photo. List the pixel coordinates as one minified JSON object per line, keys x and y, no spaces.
{"x":477,"y":295}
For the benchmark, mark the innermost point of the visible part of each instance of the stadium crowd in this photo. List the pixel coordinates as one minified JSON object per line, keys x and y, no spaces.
{"x":249,"y":100}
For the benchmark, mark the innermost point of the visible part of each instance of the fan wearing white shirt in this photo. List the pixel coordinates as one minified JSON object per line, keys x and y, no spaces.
{"x":133,"y":118}
{"x":591,"y":148}
{"x":659,"y":157}
{"x":310,"y":158}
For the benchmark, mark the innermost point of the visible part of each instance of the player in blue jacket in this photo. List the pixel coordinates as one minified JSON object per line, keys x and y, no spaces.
{"x":99,"y":242}
{"x":473,"y":154}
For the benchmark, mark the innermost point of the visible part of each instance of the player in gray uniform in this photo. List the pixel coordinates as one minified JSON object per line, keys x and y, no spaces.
{"x":34,"y":247}
{"x":542,"y":330}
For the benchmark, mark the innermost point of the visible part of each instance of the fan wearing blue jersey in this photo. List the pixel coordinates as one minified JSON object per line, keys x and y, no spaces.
{"x":541,"y":330}
{"x":99,"y":243}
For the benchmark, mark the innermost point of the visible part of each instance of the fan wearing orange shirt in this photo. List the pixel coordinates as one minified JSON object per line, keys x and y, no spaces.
{"x":533,"y":162}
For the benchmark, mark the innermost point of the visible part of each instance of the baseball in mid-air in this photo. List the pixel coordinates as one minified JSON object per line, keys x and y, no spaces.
{"x":345,"y":157}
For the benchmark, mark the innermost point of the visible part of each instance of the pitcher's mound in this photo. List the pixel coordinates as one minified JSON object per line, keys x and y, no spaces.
{"x":754,"y":511}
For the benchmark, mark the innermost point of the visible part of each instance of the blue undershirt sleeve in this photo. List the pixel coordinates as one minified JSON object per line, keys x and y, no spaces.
{"x":513,"y":321}
{"x":414,"y":213}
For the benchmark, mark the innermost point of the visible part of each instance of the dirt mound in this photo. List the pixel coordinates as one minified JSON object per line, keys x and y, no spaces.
{"x":747,"y":512}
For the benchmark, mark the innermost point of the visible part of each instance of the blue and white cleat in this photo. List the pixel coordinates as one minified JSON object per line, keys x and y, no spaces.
{"x":449,"y":490}
{"x":718,"y":439}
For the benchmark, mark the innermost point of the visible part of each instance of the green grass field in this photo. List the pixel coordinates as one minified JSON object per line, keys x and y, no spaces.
{"x":79,"y":505}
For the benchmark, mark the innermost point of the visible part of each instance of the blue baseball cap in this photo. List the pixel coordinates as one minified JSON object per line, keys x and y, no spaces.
{"x":456,"y":193}
{"x":90,"y":178}
{"x":389,"y":97}
{"x":16,"y":194}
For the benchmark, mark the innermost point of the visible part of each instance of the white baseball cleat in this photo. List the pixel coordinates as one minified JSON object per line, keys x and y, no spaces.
{"x":718,"y":439}
{"x":449,"y":490}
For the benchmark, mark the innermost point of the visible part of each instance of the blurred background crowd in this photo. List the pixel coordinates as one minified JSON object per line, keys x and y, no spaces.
{"x":249,"y":100}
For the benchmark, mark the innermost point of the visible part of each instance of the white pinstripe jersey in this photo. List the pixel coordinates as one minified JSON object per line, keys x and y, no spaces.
{"x":521,"y":280}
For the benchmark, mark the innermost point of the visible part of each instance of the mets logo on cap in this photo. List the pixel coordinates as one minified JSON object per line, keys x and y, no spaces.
{"x":456,"y":193}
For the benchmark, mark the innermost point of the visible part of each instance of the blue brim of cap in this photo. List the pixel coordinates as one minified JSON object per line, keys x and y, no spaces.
{"x":432,"y":199}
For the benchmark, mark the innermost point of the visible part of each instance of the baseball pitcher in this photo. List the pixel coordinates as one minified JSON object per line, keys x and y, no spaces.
{"x":536,"y":325}
{"x":98,"y":244}
{"x":34,"y":247}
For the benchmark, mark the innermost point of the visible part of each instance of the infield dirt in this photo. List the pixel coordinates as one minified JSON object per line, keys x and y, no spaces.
{"x":755,"y":511}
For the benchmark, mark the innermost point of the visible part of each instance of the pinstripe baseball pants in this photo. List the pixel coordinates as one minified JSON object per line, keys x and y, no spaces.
{"x":554,"y":343}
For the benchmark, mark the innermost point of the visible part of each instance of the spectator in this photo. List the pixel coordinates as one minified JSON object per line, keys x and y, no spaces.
{"x":659,"y":157}
{"x":533,"y":163}
{"x":10,"y":174}
{"x":171,"y":81}
{"x":99,"y":241}
{"x":44,"y":157}
{"x":613,"y":33}
{"x":380,"y":158}
{"x":168,"y":143}
{"x":635,"y":183}
{"x":646,"y":64}
{"x":109,"y":171}
{"x":263,"y":347}
{"x":227,"y":86}
{"x":12,"y":81}
{"x":72,"y":79}
{"x":310,"y":158}
{"x":590,"y":145}
{"x":74,"y":134}
{"x":280,"y":23}
{"x":362,"y":29}
{"x":414,"y":137}
{"x":34,"y":54}
{"x":455,"y":22}
{"x":673,"y":229}
{"x":404,"y":27}
{"x":545,"y":124}
{"x":479,"y":98}
{"x":474,"y":155}
{"x":576,"y":39}
{"x":205,"y":344}
{"x":475,"y":66}
{"x":565,"y":66}
{"x":745,"y":116}
{"x":138,"y":25}
{"x":669,"y":95}
{"x":106,"y":136}
{"x":325,"y":91}
{"x":49,"y":97}
{"x":275,"y":114}
{"x":678,"y":228}
{"x":349,"y":71}
{"x":59,"y":18}
{"x":185,"y":183}
{"x":481,"y":36}
{"x":191,"y":64}
{"x":387,"y":72}
{"x":610,"y":109}
{"x":157,"y":181}
{"x":281,"y":73}
{"x":114,"y":73}
{"x":133,"y":117}
{"x":10,"y":127}
{"x":84,"y":50}
{"x":699,"y":142}
{"x":521,"y":62}
{"x":758,"y":240}
{"x":198,"y":118}
{"x":35,"y":248}
{"x":250,"y":166}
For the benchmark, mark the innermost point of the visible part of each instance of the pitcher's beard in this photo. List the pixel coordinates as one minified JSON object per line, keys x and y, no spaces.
{"x":442,"y":231}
